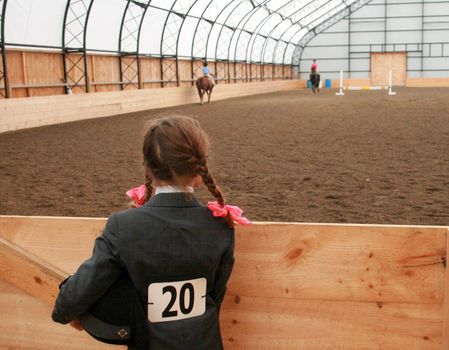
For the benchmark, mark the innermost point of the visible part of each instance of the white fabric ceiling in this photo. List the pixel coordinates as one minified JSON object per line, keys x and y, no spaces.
{"x":266,"y":31}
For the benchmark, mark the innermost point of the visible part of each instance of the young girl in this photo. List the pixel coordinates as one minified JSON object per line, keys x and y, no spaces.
{"x":206,"y":73}
{"x":177,"y":253}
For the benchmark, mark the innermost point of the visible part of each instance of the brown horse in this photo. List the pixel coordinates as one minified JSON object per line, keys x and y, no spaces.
{"x":204,"y":85}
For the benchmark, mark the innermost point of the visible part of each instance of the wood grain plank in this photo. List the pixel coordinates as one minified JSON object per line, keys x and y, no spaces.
{"x":294,"y":286}
{"x":281,"y":323}
{"x":28,"y":325}
{"x":332,"y":262}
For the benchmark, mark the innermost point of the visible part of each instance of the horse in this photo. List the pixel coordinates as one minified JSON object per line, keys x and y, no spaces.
{"x":204,"y":85}
{"x":315,"y":80}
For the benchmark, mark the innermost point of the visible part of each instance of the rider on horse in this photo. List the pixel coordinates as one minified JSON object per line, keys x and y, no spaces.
{"x":314,"y":76}
{"x":206,"y":73}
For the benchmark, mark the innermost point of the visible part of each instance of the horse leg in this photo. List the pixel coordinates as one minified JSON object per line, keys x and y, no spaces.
{"x":208,"y":96}
{"x":199,"y":93}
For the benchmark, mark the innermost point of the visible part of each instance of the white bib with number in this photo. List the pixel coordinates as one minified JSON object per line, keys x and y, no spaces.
{"x":171,"y":301}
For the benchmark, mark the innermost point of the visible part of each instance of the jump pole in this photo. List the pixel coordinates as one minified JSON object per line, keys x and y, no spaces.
{"x":389,"y":87}
{"x":341,"y":92}
{"x":390,"y":83}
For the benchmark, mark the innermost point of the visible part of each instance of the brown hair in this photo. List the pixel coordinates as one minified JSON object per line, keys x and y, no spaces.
{"x":175,"y":146}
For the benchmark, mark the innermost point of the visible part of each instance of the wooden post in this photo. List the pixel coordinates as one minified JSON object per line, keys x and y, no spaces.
{"x":446,"y":299}
{"x":25,"y":73}
{"x":8,"y":91}
{"x":92,"y":61}
{"x":139,"y":73}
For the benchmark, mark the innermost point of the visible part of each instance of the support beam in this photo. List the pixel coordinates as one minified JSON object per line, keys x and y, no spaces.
{"x":29,"y":273}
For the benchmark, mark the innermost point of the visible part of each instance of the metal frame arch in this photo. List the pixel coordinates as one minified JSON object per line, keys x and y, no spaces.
{"x":230,"y":41}
{"x":268,"y":36}
{"x":196,"y":29}
{"x":310,"y":30}
{"x":144,"y":6}
{"x":3,"y":72}
{"x":286,"y":19}
{"x":281,"y":38}
{"x":134,"y":65}
{"x":67,"y":49}
{"x":321,"y":26}
{"x":182,"y":24}
{"x":120,"y":43}
{"x":234,"y":29}
{"x":201,"y":18}
{"x":247,"y":17}
{"x":257,"y":33}
{"x":253,"y":39}
{"x":346,"y":11}
{"x":177,"y":41}
{"x":140,"y":27}
{"x":289,"y":18}
{"x":293,"y":23}
{"x":222,"y":25}
{"x":219,"y":35}
{"x":170,"y":12}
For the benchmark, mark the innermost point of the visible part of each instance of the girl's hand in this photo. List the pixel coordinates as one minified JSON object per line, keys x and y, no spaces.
{"x":77,"y":325}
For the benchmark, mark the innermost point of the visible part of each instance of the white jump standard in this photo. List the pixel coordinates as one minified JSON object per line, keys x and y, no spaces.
{"x":389,"y":87}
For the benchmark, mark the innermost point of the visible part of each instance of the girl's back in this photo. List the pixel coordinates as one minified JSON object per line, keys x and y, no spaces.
{"x":177,"y":253}
{"x":173,"y":238}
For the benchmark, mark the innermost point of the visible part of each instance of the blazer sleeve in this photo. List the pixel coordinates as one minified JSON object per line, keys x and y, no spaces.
{"x":92,"y":279}
{"x":223,"y":273}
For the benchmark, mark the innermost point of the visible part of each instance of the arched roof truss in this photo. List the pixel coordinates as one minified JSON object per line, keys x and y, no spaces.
{"x":246,"y":31}
{"x":76,"y":19}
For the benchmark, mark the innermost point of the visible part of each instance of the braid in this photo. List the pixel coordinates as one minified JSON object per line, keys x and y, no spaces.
{"x":149,"y":187}
{"x":209,"y":181}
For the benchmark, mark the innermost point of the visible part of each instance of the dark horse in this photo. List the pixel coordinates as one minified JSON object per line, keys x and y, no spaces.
{"x":204,"y":85}
{"x":315,"y":80}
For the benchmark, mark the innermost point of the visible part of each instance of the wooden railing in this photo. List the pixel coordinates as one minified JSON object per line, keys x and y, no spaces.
{"x":294,"y":286}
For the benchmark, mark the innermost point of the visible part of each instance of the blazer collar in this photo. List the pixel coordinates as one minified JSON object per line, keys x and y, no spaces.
{"x":179,"y":199}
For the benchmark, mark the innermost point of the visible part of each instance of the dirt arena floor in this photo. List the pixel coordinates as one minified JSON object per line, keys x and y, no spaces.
{"x":288,"y":156}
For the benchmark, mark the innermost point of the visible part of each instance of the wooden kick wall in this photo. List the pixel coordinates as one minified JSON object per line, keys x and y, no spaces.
{"x":34,"y":73}
{"x":22,"y":113}
{"x":294,"y":286}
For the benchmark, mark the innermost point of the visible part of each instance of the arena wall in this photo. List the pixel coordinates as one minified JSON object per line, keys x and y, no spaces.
{"x":22,"y":113}
{"x":416,"y":29}
{"x":41,"y":73}
{"x":294,"y":286}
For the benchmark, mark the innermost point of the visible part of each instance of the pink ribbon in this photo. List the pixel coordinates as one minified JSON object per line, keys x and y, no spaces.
{"x":137,"y":194}
{"x":234,"y":211}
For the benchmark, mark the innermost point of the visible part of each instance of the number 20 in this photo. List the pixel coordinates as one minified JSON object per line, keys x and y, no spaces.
{"x":168,"y":312}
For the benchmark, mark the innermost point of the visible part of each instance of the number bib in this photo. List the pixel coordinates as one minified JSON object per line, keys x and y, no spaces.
{"x":171,"y":301}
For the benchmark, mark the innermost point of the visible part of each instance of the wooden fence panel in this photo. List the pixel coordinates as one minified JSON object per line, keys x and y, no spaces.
{"x":151,"y":72}
{"x":294,"y":286}
{"x":105,"y":73}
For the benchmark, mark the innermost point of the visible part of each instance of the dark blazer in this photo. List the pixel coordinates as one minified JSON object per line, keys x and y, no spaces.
{"x":169,"y":239}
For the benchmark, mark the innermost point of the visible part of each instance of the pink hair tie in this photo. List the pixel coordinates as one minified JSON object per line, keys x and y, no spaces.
{"x":137,"y":194}
{"x":223,"y":211}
